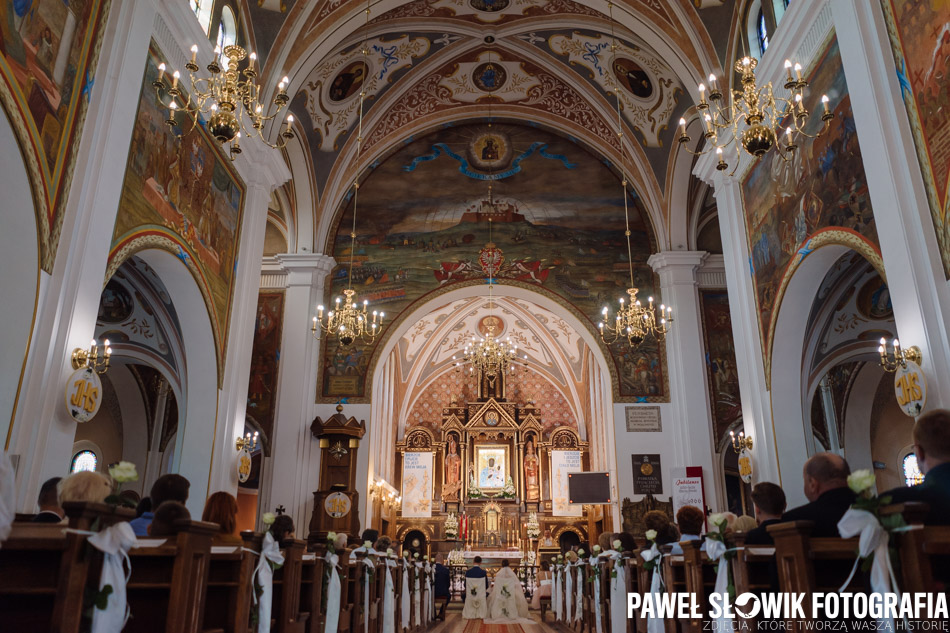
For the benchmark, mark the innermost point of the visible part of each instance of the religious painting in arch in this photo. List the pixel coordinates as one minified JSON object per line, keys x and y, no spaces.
{"x":920,"y":36}
{"x":48,"y":55}
{"x":181,"y":193}
{"x":557,"y":227}
{"x":721,"y":370}
{"x":265,"y":360}
{"x":823,"y":186}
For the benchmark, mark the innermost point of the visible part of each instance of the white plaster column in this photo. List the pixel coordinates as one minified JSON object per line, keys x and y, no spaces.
{"x":292,"y":469}
{"x":153,"y":465}
{"x":43,"y":433}
{"x":691,"y":423}
{"x":753,"y":390}
{"x":918,"y":287}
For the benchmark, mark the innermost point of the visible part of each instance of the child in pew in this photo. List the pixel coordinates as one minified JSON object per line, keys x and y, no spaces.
{"x":163,"y":522}
{"x":282,"y":528}
{"x":84,"y":486}
{"x":658,"y":521}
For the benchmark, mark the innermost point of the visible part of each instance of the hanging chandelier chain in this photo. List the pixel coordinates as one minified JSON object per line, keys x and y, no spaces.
{"x":623,"y":149}
{"x":359,"y":147}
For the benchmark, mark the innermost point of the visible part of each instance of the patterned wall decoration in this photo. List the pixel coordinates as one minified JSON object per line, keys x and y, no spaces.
{"x":720,"y":361}
{"x":920,"y":35}
{"x":181,"y":194}
{"x":265,"y":362}
{"x":558,"y":221}
{"x":788,"y":204}
{"x":48,"y":55}
{"x":495,"y":12}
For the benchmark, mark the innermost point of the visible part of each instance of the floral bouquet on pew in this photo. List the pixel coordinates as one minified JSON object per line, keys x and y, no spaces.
{"x":651,"y":564}
{"x":122,"y":472}
{"x":862,"y":483}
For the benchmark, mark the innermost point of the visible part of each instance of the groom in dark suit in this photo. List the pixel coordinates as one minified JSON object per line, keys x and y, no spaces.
{"x":477,"y":572}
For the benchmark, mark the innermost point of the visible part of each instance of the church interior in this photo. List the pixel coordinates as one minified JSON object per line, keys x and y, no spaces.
{"x":317,"y":313}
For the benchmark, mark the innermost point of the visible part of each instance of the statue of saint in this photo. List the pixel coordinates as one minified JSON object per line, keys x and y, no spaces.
{"x":453,"y":471}
{"x":532,"y":485}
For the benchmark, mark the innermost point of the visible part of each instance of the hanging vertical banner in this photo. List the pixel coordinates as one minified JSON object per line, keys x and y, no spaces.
{"x":562,"y":463}
{"x":688,"y":488}
{"x":417,"y":484}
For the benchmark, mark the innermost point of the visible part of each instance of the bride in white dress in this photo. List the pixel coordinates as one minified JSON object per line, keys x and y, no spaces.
{"x":506,"y":602}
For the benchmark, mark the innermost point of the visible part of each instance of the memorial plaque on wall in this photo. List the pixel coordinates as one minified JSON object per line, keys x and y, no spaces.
{"x":647,"y":475}
{"x":643,"y":419}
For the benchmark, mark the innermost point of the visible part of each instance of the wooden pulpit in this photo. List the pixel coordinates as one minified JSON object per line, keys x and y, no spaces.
{"x":336,"y":501}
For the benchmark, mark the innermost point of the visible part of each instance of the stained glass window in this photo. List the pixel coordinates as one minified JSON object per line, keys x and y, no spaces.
{"x":227,"y":30}
{"x":84,"y":460}
{"x":912,"y":474}
{"x":762,"y":31}
{"x":202,"y":9}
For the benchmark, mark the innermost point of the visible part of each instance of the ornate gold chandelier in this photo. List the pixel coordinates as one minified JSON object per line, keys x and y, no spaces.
{"x":488,"y":356}
{"x":633,"y":321}
{"x":754,"y":118}
{"x":229,"y":102}
{"x":349,"y":320}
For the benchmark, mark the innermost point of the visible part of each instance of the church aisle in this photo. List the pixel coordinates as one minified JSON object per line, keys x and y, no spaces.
{"x":455,"y":624}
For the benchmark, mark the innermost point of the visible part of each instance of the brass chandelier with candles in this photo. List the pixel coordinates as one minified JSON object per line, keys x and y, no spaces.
{"x":228,"y":98}
{"x":754,"y":118}
{"x":349,"y":320}
{"x":633,"y":321}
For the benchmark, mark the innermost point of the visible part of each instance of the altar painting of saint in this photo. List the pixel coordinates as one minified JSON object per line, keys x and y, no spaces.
{"x":491,"y":466}
{"x":453,"y":463}
{"x":531,"y":479}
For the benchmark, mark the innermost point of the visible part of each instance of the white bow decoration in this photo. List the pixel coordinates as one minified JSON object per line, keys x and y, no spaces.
{"x":557,"y":592}
{"x":404,"y":599}
{"x":430,"y":598}
{"x":654,"y":624}
{"x":579,"y":602}
{"x":873,"y":540}
{"x":389,"y":600}
{"x":114,"y":542}
{"x":417,"y":595}
{"x":270,"y":553}
{"x":716,"y":551}
{"x":568,"y":592}
{"x":368,"y":563}
{"x":333,"y":594}
{"x":595,"y":564}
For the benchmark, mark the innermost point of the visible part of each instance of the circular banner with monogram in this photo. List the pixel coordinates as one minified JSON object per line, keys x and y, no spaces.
{"x":83,"y":394}
{"x":910,"y":387}
{"x":745,"y":466}
{"x":244,"y":465}
{"x":337,"y":505}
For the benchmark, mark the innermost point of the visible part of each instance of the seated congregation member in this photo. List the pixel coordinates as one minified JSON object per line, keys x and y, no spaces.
{"x":169,"y":487}
{"x":222,"y":508}
{"x":163,"y":521}
{"x":932,"y":447}
{"x":659,"y":521}
{"x":826,"y":487}
{"x":84,"y":486}
{"x":768,"y":501}
{"x":690,"y":520}
{"x":382,"y":544}
{"x":545,"y":579}
{"x":627,"y":542}
{"x":283,"y":528}
{"x":744,"y":524}
{"x":441,"y":587}
{"x":50,"y":510}
{"x":145,"y":505}
{"x":369,"y":534}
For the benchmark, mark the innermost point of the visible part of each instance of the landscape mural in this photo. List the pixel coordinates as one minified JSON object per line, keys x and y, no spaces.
{"x":920,"y":35}
{"x":181,"y":194}
{"x":556,"y":224}
{"x":265,"y":361}
{"x":48,"y":53}
{"x":823,"y":187}
{"x":720,"y":361}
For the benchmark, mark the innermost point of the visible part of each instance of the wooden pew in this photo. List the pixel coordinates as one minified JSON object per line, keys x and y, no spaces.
{"x":166,"y":590}
{"x":286,"y":616}
{"x":229,"y":592}
{"x":363,"y":619}
{"x":700,"y":576}
{"x":312,"y":573}
{"x":634,"y":585}
{"x":752,"y":571}
{"x":919,"y":550}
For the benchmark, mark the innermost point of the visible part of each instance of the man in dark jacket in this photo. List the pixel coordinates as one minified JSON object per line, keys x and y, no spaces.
{"x":826,"y":487}
{"x":932,"y":447}
{"x":50,"y":511}
{"x":477,"y":572}
{"x":442,"y":587}
{"x":768,"y":500}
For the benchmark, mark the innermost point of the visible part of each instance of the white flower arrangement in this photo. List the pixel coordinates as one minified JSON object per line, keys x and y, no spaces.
{"x":456,"y":557}
{"x":617,"y":544}
{"x":451,"y":526}
{"x":509,"y":490}
{"x":861,"y":480}
{"x":269,"y":517}
{"x":597,"y":549}
{"x":530,"y":558}
{"x":124,"y":472}
{"x":368,"y":544}
{"x":532,"y":527}
{"x":719,"y":520}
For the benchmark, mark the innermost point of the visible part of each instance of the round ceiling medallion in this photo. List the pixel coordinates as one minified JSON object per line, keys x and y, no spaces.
{"x":489,"y":77}
{"x":633,"y":77}
{"x":489,"y":6}
{"x":348,"y":81}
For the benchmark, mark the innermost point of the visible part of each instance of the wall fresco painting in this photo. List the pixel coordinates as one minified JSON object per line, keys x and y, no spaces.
{"x":556,"y":225}
{"x":265,"y":361}
{"x":920,"y":36}
{"x":824,"y":186}
{"x":48,"y":54}
{"x":180,"y":193}
{"x":720,"y":361}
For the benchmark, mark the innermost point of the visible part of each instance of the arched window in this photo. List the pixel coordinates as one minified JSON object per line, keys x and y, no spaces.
{"x":202,"y":9}
{"x":761,"y":31}
{"x":912,"y":474}
{"x":84,"y":460}
{"x":227,"y":28}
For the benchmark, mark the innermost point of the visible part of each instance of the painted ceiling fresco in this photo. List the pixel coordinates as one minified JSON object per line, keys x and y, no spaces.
{"x":557,"y":227}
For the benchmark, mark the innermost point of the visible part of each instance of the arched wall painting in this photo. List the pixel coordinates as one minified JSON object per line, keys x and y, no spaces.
{"x":720,"y":354}
{"x":557,"y":218}
{"x":265,"y":359}
{"x":824,"y":185}
{"x":180,"y":189}
{"x":920,"y":36}
{"x":48,"y":54}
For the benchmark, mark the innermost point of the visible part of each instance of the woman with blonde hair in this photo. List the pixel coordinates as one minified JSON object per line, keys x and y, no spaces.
{"x":86,"y":485}
{"x":222,"y":508}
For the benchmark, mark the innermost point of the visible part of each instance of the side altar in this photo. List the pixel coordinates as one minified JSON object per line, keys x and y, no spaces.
{"x":490,"y":479}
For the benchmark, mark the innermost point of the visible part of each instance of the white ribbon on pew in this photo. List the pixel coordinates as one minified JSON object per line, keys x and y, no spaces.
{"x":557,"y":592}
{"x":114,"y":542}
{"x":270,"y":553}
{"x":618,"y":592}
{"x":595,"y":564}
{"x":417,"y":595}
{"x":389,"y":600}
{"x":873,"y":540}
{"x":654,"y":624}
{"x":568,"y":592}
{"x":333,"y":594}
{"x":716,"y":551}
{"x":579,"y":581}
{"x":7,"y":496}
{"x":367,"y":562}
{"x":430,"y":599}
{"x":404,"y":599}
